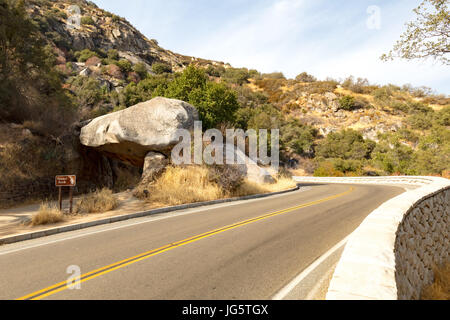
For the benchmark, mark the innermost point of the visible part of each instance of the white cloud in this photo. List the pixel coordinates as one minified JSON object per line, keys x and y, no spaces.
{"x":295,"y":36}
{"x":324,"y":37}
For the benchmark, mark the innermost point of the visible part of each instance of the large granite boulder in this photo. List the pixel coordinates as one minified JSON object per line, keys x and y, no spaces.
{"x":129,"y":135}
{"x":248,"y":167}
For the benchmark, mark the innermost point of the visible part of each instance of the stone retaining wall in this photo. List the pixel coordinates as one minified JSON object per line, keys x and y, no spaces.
{"x":422,"y":242}
{"x":391,"y":254}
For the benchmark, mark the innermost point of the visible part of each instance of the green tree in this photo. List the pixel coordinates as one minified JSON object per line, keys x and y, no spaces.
{"x":88,"y":91}
{"x":185,"y":83}
{"x":160,"y":68}
{"x":394,"y":157}
{"x":298,"y":137}
{"x":215,"y":102}
{"x":347,"y":144}
{"x":427,"y":36}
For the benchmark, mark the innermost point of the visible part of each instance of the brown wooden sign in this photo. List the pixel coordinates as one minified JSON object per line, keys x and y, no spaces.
{"x":66,"y":181}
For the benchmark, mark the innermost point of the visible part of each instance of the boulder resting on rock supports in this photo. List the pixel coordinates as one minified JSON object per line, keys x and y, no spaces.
{"x":154,"y":165}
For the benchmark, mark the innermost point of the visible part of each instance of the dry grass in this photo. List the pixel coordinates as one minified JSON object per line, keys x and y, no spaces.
{"x":26,"y":157}
{"x":440,"y":289}
{"x":97,"y":202}
{"x":181,"y":185}
{"x":47,"y":214}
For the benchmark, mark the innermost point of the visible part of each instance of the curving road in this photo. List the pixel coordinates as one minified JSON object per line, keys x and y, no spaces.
{"x":243,"y":250}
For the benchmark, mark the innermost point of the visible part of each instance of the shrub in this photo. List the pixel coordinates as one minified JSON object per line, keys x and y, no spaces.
{"x":417,"y":107}
{"x":58,"y":13}
{"x":399,"y":106}
{"x":47,"y":214}
{"x":254,"y":74}
{"x":132,"y":95}
{"x":421,"y":92}
{"x":361,"y":85}
{"x":349,"y":167}
{"x":97,"y":202}
{"x":265,"y":117}
{"x":113,"y":54}
{"x":327,"y":169}
{"x":228,"y":177}
{"x":382,"y":95}
{"x":160,"y":68}
{"x":249,"y":98}
{"x":305,"y":77}
{"x":274,"y":75}
{"x":124,"y":65}
{"x":87,"y":20}
{"x":347,"y":103}
{"x":442,"y":117}
{"x":236,"y":76}
{"x":141,"y":70}
{"x":84,"y":55}
{"x":116,"y":18}
{"x":322,"y":87}
{"x":393,"y":156}
{"x":88,"y":91}
{"x":421,"y":121}
{"x":214,"y":71}
{"x":442,"y":100}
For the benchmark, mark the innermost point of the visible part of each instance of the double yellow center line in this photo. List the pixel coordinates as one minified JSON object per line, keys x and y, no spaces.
{"x":41,"y":294}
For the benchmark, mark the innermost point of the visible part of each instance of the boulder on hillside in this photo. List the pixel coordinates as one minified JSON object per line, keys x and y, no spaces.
{"x":115,"y":72}
{"x":129,"y":135}
{"x":93,"y":61}
{"x":248,"y":167}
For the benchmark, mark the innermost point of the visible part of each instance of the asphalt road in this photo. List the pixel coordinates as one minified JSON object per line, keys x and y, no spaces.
{"x":245,"y":250}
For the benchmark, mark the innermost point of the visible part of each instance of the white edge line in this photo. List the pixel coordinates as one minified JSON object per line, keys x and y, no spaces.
{"x":294,"y":283}
{"x":148,"y":219}
{"x":315,"y":290}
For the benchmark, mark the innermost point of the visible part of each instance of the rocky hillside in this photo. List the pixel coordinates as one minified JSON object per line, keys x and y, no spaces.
{"x":98,"y":30}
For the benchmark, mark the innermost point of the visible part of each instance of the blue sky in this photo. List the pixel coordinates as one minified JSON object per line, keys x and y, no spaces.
{"x":327,"y":38}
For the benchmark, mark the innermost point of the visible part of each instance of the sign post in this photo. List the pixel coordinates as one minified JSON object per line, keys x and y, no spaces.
{"x":66,"y":181}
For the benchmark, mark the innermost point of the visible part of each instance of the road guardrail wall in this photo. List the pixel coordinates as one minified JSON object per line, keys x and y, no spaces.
{"x":391,"y":255}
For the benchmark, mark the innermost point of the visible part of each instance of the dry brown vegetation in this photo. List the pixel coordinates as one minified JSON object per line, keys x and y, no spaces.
{"x":180,"y":185}
{"x":24,"y":156}
{"x":47,"y":214}
{"x":440,"y":288}
{"x":97,"y":202}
